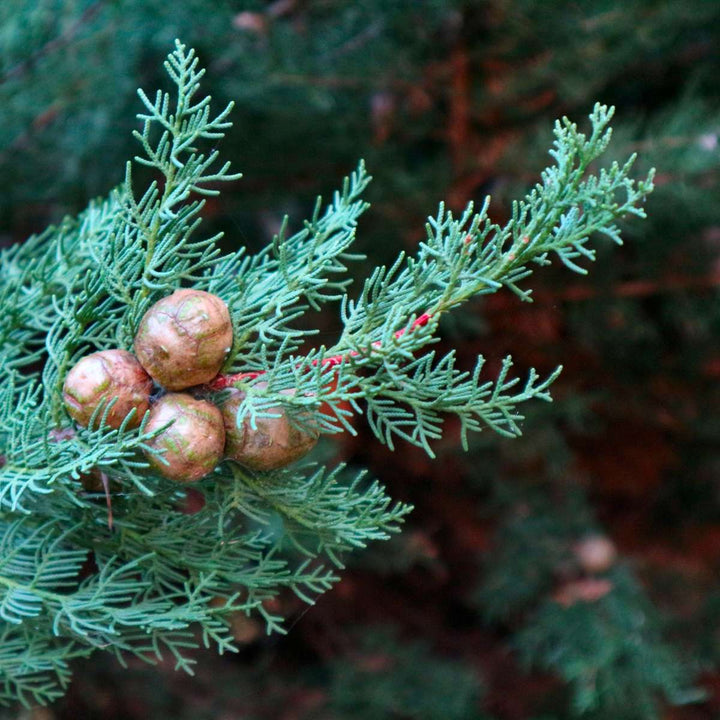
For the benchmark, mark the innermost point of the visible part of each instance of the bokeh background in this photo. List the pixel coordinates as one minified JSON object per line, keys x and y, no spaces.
{"x":483,"y":608}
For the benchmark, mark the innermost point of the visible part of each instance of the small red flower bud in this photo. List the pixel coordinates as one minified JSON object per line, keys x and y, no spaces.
{"x":274,"y":442}
{"x":194,"y":442}
{"x":102,"y":376}
{"x":184,"y":338}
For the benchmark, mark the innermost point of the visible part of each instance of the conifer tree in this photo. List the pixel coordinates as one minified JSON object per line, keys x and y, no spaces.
{"x":126,"y":565}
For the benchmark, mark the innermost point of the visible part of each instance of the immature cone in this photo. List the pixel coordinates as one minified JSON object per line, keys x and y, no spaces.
{"x":102,"y":376}
{"x":595,"y":554}
{"x":194,"y":442}
{"x":184,"y":338}
{"x":274,"y":443}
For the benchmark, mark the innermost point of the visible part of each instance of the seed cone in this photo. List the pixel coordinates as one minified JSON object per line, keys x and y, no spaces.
{"x":194,"y":442}
{"x":274,"y":443}
{"x":99,"y":378}
{"x":184,"y":338}
{"x":595,"y":554}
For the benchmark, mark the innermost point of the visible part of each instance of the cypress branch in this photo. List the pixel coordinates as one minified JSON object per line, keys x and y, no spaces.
{"x":70,"y":584}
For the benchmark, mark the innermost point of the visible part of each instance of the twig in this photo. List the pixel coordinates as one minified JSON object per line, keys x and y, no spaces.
{"x":225,"y":381}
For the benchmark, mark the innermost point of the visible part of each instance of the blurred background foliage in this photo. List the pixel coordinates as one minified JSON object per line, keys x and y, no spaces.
{"x":483,"y":608}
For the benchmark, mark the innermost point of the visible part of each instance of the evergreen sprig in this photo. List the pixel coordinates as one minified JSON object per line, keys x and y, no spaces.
{"x":69,"y":583}
{"x":608,"y":645}
{"x":610,"y":652}
{"x":376,"y":359}
{"x":270,"y":290}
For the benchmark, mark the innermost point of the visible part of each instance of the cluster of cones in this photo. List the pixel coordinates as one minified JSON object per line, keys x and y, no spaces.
{"x":181,"y":344}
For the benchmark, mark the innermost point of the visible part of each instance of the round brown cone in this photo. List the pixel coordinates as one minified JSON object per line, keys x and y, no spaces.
{"x":101,"y":376}
{"x":193,"y":443}
{"x":184,"y":339}
{"x":274,"y":442}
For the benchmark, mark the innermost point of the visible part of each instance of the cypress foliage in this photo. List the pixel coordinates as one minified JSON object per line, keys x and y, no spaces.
{"x":73,"y":582}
